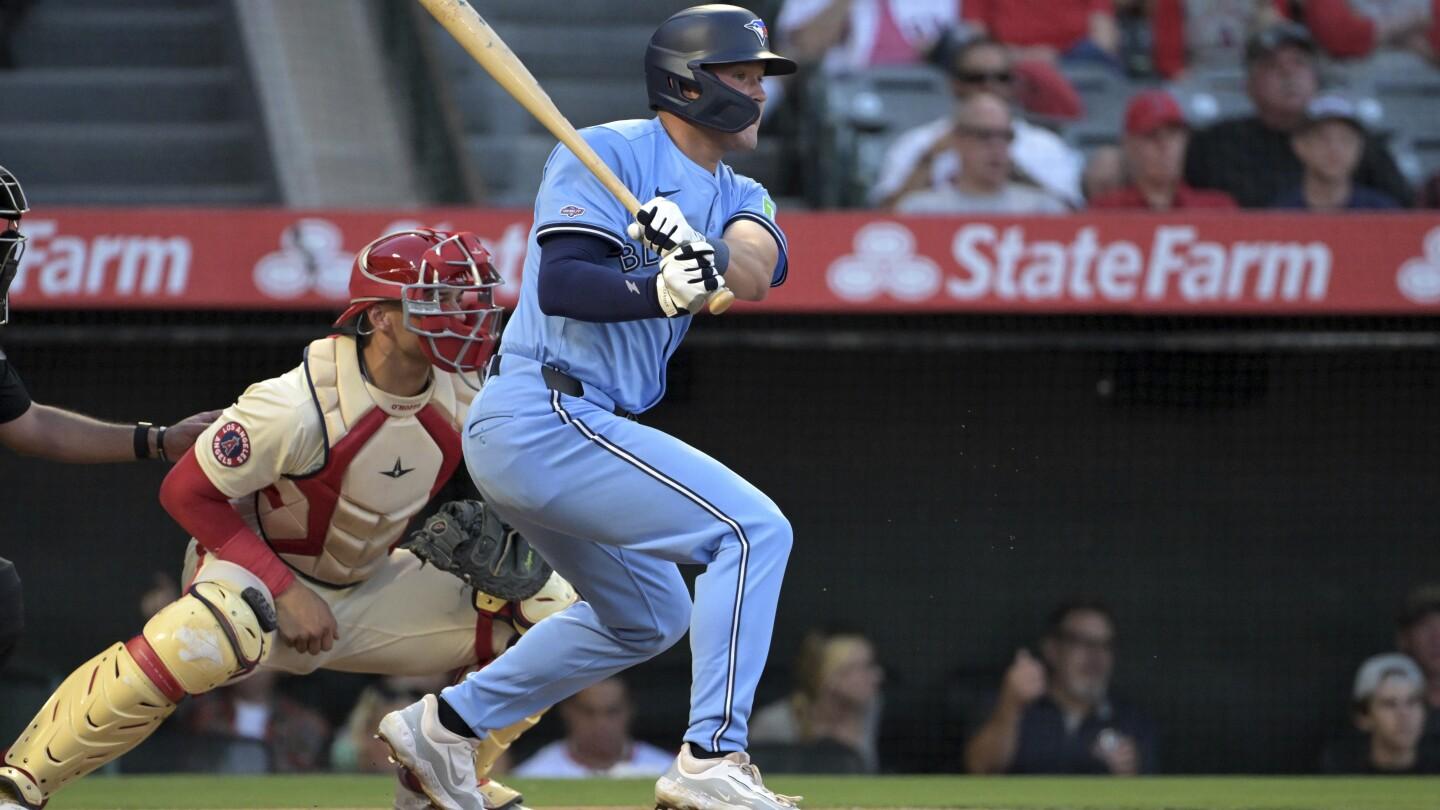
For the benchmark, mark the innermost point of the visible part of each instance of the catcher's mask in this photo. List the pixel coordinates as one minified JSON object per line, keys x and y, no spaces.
{"x":445,"y":285}
{"x":12,"y":243}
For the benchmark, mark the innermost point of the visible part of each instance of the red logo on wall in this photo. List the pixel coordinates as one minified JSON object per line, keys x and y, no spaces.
{"x":231,"y":444}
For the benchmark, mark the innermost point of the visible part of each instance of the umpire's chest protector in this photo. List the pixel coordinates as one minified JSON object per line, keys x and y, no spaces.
{"x":384,"y":459}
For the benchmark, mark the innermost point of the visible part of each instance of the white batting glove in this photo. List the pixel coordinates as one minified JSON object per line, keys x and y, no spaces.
{"x":687,"y":277}
{"x":661,"y":224}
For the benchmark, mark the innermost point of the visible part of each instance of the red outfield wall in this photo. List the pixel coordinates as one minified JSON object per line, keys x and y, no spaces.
{"x":1247,"y":263}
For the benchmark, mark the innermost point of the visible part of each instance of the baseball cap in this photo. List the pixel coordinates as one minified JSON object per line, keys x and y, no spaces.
{"x":1273,"y":37}
{"x":1331,"y":107}
{"x":1150,"y":110}
{"x":1418,"y":604}
{"x":1378,"y":667}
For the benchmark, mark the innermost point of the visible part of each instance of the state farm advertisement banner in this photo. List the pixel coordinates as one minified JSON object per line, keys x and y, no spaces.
{"x":1250,"y":263}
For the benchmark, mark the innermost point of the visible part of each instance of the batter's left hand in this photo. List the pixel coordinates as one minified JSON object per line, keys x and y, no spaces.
{"x":661,"y":224}
{"x":181,"y":435}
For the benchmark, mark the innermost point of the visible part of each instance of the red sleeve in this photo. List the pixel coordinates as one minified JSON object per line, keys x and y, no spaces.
{"x":1167,"y":29}
{"x":205,"y":512}
{"x":1100,"y":6}
{"x":1341,"y":32}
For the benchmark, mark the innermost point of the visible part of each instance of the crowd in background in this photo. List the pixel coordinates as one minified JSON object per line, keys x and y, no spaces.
{"x":1000,"y":149}
{"x":1053,"y":709}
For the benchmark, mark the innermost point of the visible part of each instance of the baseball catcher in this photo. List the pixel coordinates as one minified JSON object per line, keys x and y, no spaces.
{"x":298,"y":497}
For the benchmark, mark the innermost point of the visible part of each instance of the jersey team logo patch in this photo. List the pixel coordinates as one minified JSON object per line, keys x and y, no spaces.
{"x":758,"y":28}
{"x":572,"y":211}
{"x":231,"y":444}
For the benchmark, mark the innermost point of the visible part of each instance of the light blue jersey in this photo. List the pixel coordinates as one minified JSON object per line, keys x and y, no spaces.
{"x":625,"y":360}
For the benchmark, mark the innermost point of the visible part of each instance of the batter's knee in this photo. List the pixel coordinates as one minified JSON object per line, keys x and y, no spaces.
{"x":666,"y":622}
{"x":673,"y":620}
{"x":771,"y":535}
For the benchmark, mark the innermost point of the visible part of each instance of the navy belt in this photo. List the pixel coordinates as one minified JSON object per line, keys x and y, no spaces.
{"x":557,"y":380}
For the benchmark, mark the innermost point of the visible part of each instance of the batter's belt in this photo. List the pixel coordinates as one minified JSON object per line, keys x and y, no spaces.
{"x":557,"y":380}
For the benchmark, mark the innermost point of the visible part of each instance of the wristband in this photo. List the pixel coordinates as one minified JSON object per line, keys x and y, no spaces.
{"x":722,"y":256}
{"x":142,"y":440}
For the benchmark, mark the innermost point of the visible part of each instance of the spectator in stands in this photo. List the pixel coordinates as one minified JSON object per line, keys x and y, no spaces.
{"x":1329,"y":145}
{"x":1251,"y":157}
{"x":296,"y":735}
{"x":1389,"y":711}
{"x":1058,"y":716}
{"x":983,"y":134}
{"x":1051,"y":30}
{"x":1104,"y":172}
{"x":925,"y":157}
{"x":849,"y":35}
{"x":1155,"y":139}
{"x":1354,"y":29}
{"x":355,"y":747}
{"x":1189,"y":34}
{"x":1418,"y":636}
{"x":836,"y":698}
{"x":597,"y":740}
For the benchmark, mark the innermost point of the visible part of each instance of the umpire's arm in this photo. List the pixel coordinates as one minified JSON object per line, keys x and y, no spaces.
{"x":753,"y":255}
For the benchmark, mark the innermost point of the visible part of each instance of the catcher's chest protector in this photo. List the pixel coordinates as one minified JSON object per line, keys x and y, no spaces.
{"x":383,"y":462}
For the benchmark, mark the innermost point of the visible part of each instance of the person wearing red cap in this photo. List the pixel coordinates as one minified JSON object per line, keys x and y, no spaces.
{"x":297,"y":497}
{"x":1155,"y":141}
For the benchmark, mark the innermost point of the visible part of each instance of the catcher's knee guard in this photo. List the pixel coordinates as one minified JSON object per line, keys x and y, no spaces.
{"x":213,"y":633}
{"x":554,"y":596}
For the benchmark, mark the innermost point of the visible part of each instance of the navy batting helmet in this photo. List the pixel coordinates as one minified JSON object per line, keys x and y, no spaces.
{"x":696,"y":38}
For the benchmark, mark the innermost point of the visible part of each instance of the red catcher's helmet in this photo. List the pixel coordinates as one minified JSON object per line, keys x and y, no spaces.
{"x":444,"y":283}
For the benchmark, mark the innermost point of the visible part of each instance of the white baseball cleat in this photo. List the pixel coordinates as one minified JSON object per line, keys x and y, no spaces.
{"x":410,"y":796}
{"x":441,"y":761}
{"x":730,"y":782}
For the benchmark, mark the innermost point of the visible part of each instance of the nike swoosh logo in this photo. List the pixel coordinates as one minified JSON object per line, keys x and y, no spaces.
{"x":659,"y":193}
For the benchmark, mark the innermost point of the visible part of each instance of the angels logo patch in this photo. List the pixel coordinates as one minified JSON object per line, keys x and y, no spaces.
{"x":572,"y":211}
{"x":231,"y":444}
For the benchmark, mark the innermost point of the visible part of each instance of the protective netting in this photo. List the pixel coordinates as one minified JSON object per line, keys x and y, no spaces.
{"x":1251,"y":498}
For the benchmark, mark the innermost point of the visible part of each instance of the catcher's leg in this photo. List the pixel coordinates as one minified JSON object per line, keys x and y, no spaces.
{"x":216,"y":631}
{"x":555,"y":596}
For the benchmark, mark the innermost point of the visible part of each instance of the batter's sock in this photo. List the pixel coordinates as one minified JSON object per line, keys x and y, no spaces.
{"x":452,"y":721}
{"x":705,"y":753}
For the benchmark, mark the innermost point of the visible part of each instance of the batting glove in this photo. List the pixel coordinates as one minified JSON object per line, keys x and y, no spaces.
{"x":661,"y":224}
{"x":687,"y":277}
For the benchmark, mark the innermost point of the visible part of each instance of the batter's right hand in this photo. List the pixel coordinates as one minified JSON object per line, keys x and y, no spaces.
{"x":306,"y":622}
{"x":661,"y":224}
{"x":687,"y":277}
{"x":1024,"y":680}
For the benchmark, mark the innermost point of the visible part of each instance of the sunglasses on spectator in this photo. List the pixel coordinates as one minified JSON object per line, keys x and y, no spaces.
{"x":986,"y":134}
{"x":980,"y":77}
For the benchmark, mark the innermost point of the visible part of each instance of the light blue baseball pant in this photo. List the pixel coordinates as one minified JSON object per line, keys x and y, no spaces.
{"x":614,"y":506}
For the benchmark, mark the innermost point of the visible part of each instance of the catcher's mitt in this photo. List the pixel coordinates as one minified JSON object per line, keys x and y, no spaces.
{"x":470,"y":541}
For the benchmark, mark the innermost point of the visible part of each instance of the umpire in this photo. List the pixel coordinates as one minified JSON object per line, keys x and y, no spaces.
{"x":44,"y":431}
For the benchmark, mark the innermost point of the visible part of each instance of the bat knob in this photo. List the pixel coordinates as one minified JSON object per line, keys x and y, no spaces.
{"x":720,"y":301}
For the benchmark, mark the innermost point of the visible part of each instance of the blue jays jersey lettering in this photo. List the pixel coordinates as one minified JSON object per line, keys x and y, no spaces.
{"x":625,"y":360}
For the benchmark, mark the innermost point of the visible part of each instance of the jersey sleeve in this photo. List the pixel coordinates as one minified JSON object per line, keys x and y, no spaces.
{"x":273,"y":430}
{"x":14,"y":399}
{"x":572,"y":200}
{"x":753,"y":203}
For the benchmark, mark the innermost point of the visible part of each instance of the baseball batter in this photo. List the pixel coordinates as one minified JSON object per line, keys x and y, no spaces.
{"x":296,"y":497}
{"x":612,"y":504}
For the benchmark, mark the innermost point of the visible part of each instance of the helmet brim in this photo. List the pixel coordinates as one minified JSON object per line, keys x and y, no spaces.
{"x":775,"y":64}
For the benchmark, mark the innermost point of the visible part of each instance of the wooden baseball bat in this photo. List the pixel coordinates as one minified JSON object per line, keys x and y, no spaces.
{"x":481,"y":42}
